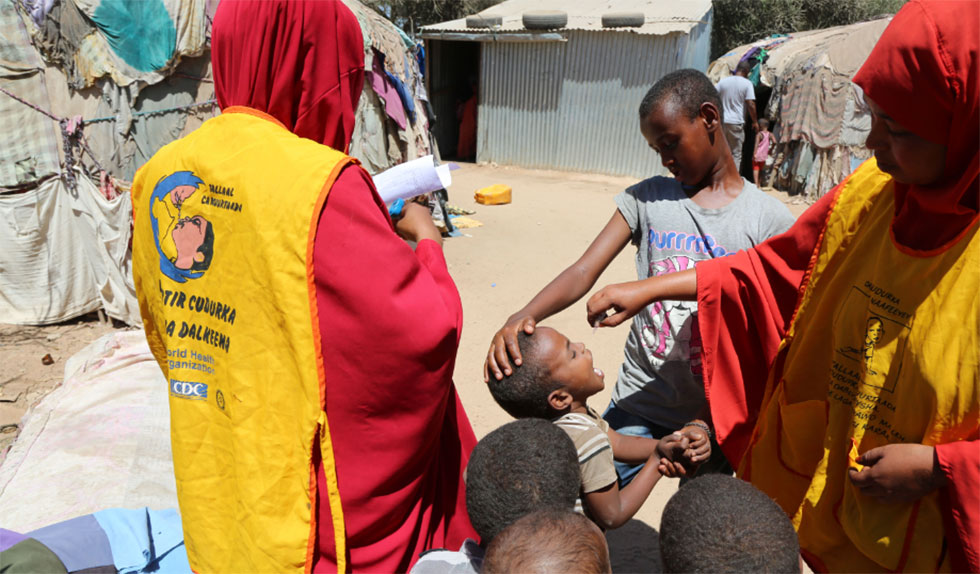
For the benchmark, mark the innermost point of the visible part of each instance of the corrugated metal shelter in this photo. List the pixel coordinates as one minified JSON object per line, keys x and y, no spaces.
{"x":565,"y":98}
{"x":820,"y":118}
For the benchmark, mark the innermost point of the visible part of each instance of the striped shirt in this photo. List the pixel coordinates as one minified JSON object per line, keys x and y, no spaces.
{"x":595,"y":457}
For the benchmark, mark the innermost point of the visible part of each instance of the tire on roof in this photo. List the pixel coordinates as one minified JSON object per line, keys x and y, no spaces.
{"x":544,"y":19}
{"x":483,"y":21}
{"x":623,"y":20}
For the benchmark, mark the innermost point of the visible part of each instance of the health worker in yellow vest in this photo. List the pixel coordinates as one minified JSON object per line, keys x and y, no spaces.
{"x":308,"y":349}
{"x":842,"y":358}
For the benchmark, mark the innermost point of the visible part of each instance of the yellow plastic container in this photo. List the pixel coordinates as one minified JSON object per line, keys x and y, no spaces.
{"x":497,"y":194}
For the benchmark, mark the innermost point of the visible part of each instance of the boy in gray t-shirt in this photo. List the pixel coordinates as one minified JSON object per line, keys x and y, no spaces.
{"x":659,"y":380}
{"x":707,"y":210}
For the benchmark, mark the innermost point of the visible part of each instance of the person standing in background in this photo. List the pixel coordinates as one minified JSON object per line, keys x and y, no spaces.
{"x":737,"y":95}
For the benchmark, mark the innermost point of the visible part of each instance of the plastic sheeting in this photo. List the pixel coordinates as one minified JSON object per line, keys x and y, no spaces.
{"x":101,"y":440}
{"x":65,"y":254}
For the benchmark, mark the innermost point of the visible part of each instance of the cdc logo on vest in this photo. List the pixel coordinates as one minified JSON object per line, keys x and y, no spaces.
{"x":189,"y":390}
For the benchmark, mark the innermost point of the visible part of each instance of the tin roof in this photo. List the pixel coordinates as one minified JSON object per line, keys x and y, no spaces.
{"x":662,"y":17}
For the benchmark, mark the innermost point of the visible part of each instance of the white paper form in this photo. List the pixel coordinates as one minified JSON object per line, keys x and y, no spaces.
{"x":412,"y":178}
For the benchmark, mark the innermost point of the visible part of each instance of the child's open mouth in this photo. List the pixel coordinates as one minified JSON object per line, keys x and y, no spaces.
{"x":598,"y":372}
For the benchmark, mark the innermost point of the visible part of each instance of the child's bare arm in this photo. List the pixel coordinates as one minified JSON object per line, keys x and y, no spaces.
{"x":758,"y":138}
{"x":631,"y":449}
{"x":628,"y":299}
{"x":638,"y":449}
{"x":570,"y":285}
{"x":612,"y":507}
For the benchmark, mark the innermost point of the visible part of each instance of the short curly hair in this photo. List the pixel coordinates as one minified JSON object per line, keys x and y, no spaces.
{"x":523,"y":466}
{"x":718,"y":523}
{"x":524,"y":394}
{"x":549,"y":541}
{"x":687,"y":88}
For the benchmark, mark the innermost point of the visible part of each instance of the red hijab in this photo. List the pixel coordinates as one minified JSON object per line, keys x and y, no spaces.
{"x":300,"y":61}
{"x":923,"y":73}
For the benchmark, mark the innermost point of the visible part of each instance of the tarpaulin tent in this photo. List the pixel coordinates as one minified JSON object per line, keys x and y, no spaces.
{"x":91,"y":89}
{"x":820,"y":118}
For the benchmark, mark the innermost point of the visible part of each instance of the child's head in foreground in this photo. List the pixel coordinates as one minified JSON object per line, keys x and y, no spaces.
{"x":763,"y":124}
{"x":680,"y":117}
{"x":718,"y":523}
{"x":549,"y":542}
{"x":523,"y":466}
{"x":554,"y":373}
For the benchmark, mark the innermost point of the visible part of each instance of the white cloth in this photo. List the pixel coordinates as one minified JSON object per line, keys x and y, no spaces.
{"x":100,"y":440}
{"x":734,"y":92}
{"x":65,"y":255}
{"x":467,"y":560}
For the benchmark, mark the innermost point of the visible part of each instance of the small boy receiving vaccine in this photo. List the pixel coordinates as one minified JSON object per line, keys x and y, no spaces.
{"x":554,"y":382}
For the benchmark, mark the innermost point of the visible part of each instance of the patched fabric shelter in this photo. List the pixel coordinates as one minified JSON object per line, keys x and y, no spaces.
{"x":89,"y":91}
{"x":819,"y":117}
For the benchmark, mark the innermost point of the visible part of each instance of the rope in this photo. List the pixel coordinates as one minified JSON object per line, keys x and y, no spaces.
{"x":30,"y":105}
{"x":72,"y":139}
{"x":211,"y":102}
{"x":76,"y":138}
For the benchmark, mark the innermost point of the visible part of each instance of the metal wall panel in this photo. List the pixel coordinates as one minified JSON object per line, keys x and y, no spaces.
{"x":573,"y":105}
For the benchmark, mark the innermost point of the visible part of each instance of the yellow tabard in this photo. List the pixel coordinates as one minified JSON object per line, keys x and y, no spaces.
{"x":224,"y":221}
{"x":883,"y":341}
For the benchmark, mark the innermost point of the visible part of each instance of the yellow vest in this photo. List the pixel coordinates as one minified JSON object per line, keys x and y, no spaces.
{"x":882,"y":341}
{"x":229,"y":308}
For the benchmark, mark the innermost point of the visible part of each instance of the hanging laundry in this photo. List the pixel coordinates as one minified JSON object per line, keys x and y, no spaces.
{"x":404,"y":95}
{"x":386,"y":90}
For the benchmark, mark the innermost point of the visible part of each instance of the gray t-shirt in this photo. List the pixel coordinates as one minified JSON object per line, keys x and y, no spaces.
{"x":734,"y":90}
{"x":671,"y":233}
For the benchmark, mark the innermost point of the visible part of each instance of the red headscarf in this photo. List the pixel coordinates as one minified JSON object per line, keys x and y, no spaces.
{"x":923,"y":73}
{"x":300,"y":61}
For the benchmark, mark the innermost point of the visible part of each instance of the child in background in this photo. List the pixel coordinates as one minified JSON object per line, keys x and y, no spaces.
{"x":549,"y":541}
{"x":719,"y":523}
{"x":524,"y":466}
{"x":554,"y":382}
{"x":705,"y":211}
{"x":764,"y":140}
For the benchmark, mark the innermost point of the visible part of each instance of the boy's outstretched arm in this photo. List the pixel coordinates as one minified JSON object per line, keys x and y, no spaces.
{"x":612,"y":507}
{"x":570,"y":285}
{"x":628,"y":299}
{"x":632,"y":449}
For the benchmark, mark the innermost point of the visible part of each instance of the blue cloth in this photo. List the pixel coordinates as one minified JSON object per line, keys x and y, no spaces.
{"x":420,"y":56}
{"x":404,"y":95}
{"x":141,"y":33}
{"x":79,"y":543}
{"x":145,"y":540}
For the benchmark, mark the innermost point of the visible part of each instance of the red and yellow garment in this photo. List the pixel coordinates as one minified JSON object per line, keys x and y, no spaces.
{"x":894,"y":337}
{"x":755,"y":306}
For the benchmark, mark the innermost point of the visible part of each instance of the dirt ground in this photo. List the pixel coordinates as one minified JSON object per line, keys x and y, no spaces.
{"x":26,"y":376}
{"x":498,"y":267}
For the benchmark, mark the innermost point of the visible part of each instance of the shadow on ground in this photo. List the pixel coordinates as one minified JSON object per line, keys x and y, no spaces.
{"x":634,"y":547}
